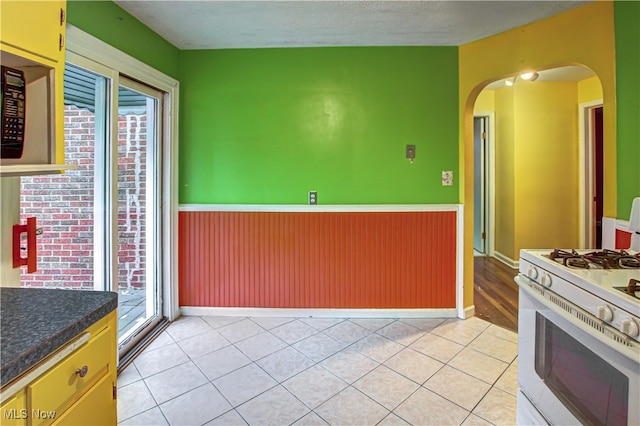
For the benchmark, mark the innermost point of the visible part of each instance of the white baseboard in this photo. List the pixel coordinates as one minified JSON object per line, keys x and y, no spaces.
{"x":324,"y":313}
{"x":468,"y":312}
{"x":506,"y":260}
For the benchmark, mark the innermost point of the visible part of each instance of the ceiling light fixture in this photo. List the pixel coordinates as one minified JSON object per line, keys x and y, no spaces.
{"x":531,"y":76}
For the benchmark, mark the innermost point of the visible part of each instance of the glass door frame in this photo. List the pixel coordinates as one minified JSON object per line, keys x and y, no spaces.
{"x":105,"y":99}
{"x":153,"y":210}
{"x":106,"y":202}
{"x":89,"y":52}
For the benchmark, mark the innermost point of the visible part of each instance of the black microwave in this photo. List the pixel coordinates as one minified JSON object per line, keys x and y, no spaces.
{"x":14,"y":100}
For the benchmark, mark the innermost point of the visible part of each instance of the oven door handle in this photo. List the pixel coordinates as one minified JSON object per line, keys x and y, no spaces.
{"x":631,"y":352}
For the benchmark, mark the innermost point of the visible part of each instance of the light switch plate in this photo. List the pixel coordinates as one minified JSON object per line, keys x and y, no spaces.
{"x":447,"y":178}
{"x":410,"y":152}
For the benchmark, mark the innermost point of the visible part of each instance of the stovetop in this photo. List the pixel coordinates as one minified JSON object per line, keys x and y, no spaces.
{"x":597,"y":259}
{"x":632,"y":289}
{"x":603,"y":282}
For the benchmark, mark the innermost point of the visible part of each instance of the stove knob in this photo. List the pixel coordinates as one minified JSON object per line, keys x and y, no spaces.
{"x":546,"y":280}
{"x":532,"y":272}
{"x":605,"y":313}
{"x":629,"y":327}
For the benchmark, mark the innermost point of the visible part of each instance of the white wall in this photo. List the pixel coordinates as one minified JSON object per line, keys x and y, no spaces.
{"x":9,"y":216}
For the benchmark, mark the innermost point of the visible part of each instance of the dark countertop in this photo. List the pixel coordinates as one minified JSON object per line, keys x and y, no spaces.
{"x":35,"y":322}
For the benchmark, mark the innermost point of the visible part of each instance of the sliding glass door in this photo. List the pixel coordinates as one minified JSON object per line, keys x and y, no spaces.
{"x":137,"y":162}
{"x":102,"y":223}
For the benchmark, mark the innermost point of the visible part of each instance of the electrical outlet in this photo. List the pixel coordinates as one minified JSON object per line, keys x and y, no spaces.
{"x":447,"y":178}
{"x":313,"y":197}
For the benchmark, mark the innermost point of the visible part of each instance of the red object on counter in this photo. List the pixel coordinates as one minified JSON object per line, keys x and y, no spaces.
{"x":32,"y":252}
{"x":623,"y":239}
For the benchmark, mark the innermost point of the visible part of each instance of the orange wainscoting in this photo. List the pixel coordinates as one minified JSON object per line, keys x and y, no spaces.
{"x":318,"y":260}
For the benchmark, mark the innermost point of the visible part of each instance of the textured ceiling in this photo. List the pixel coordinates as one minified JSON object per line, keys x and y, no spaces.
{"x":211,"y":24}
{"x":570,"y":73}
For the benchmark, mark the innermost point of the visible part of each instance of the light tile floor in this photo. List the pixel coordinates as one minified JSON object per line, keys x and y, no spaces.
{"x":319,"y":371}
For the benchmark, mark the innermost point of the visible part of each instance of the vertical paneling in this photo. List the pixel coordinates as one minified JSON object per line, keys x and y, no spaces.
{"x":318,"y":260}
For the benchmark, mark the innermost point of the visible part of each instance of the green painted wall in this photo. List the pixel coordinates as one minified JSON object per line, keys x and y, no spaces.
{"x":113,"y":25}
{"x":265,"y":126}
{"x":627,"y":20}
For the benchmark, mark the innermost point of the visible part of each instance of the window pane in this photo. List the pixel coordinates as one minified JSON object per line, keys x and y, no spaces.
{"x":64,"y":204}
{"x":136,"y":209}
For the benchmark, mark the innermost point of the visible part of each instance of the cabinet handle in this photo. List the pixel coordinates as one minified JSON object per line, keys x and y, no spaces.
{"x":82,"y":371}
{"x":61,"y":16}
{"x":61,"y":45}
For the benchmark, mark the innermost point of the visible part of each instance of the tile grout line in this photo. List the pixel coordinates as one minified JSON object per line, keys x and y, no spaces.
{"x":369,"y":332}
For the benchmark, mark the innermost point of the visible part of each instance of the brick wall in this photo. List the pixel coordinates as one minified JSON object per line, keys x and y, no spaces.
{"x":131,"y":200}
{"x":64,"y":206}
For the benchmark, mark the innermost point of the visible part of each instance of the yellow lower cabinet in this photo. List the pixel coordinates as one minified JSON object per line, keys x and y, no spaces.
{"x":59,"y":387}
{"x":73,"y":389}
{"x":79,"y":388}
{"x":92,"y":408}
{"x":14,"y":412}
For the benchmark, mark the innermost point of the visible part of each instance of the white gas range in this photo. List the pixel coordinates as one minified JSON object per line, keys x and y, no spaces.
{"x":579,"y":337}
{"x":580,"y":277}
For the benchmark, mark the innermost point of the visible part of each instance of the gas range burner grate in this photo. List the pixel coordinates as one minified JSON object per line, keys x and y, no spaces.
{"x":633,"y":289}
{"x":605,"y":259}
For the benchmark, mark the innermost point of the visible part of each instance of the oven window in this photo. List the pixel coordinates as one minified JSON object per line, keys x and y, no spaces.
{"x":595,"y":392}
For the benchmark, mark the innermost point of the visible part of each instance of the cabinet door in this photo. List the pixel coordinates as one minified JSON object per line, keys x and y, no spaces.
{"x":34,"y":26}
{"x":96,"y":407}
{"x":72,"y":376}
{"x":13,"y":412}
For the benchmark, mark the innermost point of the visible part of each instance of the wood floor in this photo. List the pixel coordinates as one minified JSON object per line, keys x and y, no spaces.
{"x":495,"y":292}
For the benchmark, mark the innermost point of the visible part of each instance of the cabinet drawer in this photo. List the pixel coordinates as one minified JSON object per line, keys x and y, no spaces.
{"x":55,"y":390}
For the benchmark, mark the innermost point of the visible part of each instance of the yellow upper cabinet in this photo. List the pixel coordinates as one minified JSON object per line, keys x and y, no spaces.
{"x":32,"y":41}
{"x":37,"y":27}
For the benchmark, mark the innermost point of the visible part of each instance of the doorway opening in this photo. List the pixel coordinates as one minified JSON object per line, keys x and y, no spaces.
{"x":591,"y":116}
{"x":483,"y":184}
{"x":539,"y":197}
